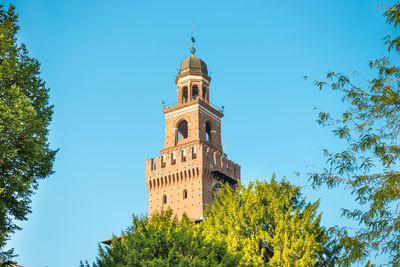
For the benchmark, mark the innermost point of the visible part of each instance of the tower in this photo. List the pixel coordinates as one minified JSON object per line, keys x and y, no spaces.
{"x":192,"y":163}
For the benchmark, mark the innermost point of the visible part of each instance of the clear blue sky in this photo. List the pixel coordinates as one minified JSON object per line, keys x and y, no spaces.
{"x":109,"y":65}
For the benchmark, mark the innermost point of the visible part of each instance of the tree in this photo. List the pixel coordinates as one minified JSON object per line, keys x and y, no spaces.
{"x":369,"y":165}
{"x":164,"y":241}
{"x":262,"y":224}
{"x":25,"y":114}
{"x":271,"y":225}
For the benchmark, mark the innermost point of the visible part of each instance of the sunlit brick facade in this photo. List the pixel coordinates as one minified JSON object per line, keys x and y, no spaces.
{"x":192,"y":164}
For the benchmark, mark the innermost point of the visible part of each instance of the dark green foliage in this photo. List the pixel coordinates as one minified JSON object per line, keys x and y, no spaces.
{"x":369,"y":166}
{"x":163,"y":241}
{"x":25,"y":114}
{"x":392,"y":16}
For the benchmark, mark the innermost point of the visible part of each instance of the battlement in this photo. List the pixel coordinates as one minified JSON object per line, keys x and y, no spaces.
{"x":218,"y":161}
{"x":172,"y":159}
{"x":192,"y":158}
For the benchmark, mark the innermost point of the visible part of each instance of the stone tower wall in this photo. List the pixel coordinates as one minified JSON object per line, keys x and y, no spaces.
{"x":184,"y":175}
{"x":165,"y":176}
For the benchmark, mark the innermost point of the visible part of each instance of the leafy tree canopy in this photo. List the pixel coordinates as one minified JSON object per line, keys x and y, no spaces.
{"x":271,"y":225}
{"x":262,"y":224}
{"x":164,"y":241}
{"x":369,"y":165}
{"x":25,"y":114}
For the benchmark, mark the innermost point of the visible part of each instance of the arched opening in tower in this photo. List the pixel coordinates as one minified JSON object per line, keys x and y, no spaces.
{"x":185,"y":95}
{"x":204,"y":93}
{"x":208,"y":131}
{"x":182,"y":130}
{"x":195,"y":92}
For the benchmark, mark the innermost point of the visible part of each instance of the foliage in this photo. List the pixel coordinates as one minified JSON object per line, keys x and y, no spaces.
{"x":163,"y":241}
{"x":369,"y":165}
{"x":25,"y":114}
{"x":86,"y":264}
{"x":262,"y":224}
{"x":271,"y":225}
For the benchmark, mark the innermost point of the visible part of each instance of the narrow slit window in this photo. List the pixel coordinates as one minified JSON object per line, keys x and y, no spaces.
{"x":183,"y":155}
{"x":163,"y":163}
{"x":194,"y":152}
{"x":173,"y":158}
{"x":185,"y":194}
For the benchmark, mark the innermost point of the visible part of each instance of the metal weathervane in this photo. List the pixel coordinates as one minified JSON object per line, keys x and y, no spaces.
{"x":192,"y":49}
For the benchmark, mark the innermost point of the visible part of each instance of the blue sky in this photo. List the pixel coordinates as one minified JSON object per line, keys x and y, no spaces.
{"x":109,"y":65}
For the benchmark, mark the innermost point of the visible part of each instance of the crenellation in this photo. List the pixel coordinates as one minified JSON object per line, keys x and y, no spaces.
{"x":166,"y":161}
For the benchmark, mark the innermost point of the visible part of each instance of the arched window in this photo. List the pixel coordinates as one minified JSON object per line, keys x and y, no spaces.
{"x":195,"y":92}
{"x":182,"y":130}
{"x":185,"y":95}
{"x":164,"y":199}
{"x":208,"y":131}
{"x":204,"y":92}
{"x":185,"y":194}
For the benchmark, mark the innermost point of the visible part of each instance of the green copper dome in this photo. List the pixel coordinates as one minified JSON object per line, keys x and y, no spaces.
{"x":193,"y":64}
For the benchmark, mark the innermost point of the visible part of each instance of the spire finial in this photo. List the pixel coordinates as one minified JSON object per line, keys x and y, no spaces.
{"x":192,"y":49}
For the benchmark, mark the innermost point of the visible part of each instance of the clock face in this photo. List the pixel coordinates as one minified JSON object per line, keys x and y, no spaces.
{"x":215,"y":191}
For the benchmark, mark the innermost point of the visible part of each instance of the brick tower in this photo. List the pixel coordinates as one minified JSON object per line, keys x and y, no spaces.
{"x":192,"y":164}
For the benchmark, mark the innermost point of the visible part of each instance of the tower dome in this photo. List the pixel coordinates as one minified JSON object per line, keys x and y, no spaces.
{"x":193,"y":64}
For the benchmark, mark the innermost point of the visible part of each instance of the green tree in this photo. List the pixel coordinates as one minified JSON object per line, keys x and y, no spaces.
{"x":25,"y":114}
{"x":271,"y":225}
{"x":165,"y":241}
{"x":369,"y":165}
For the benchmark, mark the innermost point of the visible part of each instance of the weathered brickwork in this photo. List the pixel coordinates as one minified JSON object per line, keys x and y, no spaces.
{"x":192,"y":163}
